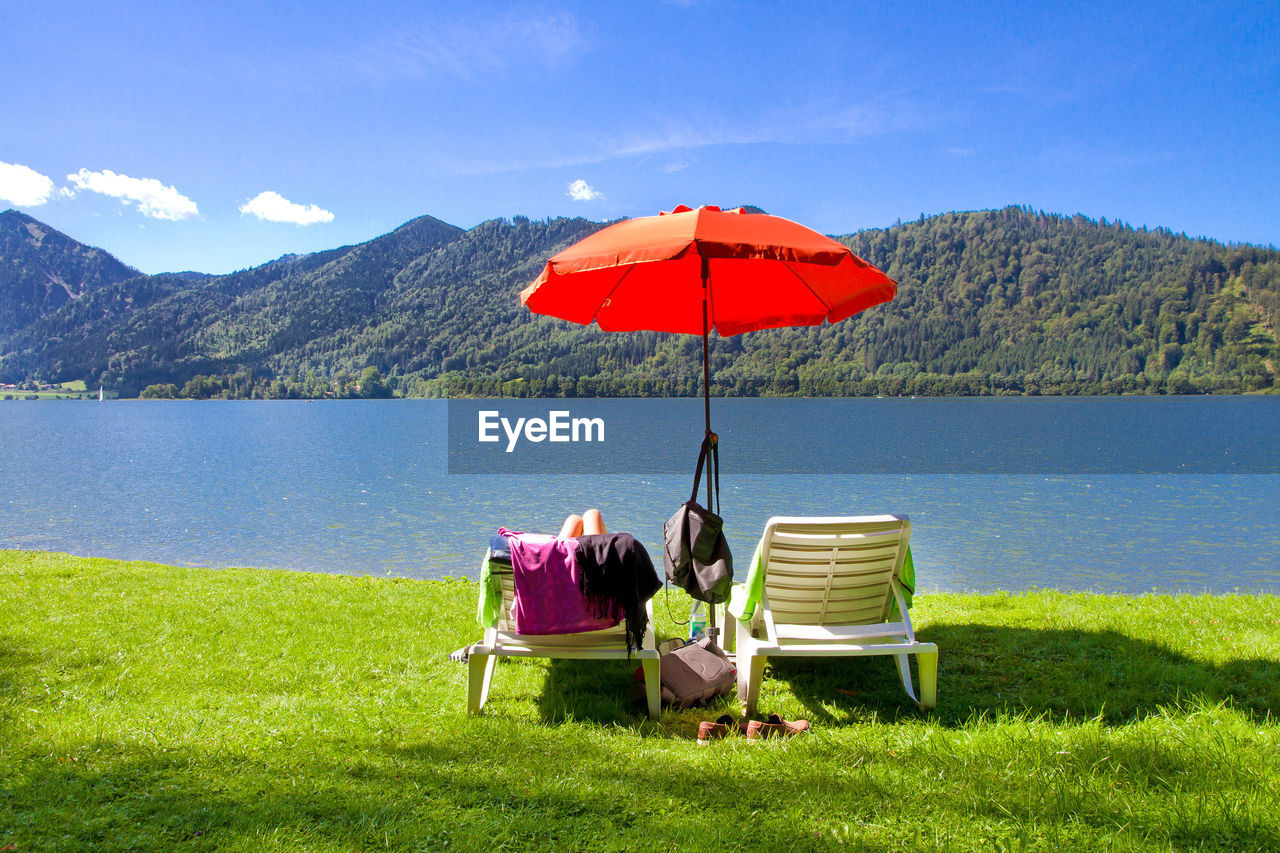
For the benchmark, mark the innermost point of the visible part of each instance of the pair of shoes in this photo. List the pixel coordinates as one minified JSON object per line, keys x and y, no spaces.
{"x":709,"y":731}
{"x":775,"y":726}
{"x":771,"y":726}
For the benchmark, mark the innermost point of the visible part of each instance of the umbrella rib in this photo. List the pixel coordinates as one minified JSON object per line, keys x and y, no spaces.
{"x":596,"y":315}
{"x":800,"y":279}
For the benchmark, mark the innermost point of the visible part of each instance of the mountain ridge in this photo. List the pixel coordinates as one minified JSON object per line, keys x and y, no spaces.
{"x":1003,"y":301}
{"x":55,"y":270}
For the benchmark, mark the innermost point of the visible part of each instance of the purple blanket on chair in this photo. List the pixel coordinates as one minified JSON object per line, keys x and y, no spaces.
{"x":548,"y":596}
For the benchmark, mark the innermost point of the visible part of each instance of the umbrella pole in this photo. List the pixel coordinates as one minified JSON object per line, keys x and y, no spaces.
{"x":706,"y":367}
{"x":706,"y":358}
{"x":713,"y":630}
{"x":706,"y":387}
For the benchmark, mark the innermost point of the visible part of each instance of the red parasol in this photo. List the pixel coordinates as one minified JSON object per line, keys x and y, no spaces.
{"x":753,"y":270}
{"x":692,"y":271}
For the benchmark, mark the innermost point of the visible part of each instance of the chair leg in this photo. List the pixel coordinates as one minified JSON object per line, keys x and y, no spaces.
{"x":927,"y":662}
{"x":750,"y":674}
{"x":728,"y":629}
{"x":479,"y":675}
{"x":652,"y":686}
{"x":904,"y":670}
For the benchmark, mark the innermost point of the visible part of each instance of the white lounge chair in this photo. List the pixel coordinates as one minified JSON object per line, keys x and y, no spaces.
{"x":606,"y":644}
{"x":829,"y":589}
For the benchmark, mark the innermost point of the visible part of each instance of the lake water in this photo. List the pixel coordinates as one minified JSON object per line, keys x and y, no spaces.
{"x":363,"y":487}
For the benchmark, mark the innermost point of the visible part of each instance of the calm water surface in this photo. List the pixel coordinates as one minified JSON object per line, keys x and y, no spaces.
{"x":361,"y":488}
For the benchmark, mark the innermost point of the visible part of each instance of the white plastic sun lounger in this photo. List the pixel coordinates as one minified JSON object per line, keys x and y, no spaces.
{"x":829,"y":589}
{"x":606,"y":644}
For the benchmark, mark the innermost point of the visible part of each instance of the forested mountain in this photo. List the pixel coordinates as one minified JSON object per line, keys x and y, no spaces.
{"x":42,"y":270}
{"x":1031,"y":301}
{"x":1006,"y":301}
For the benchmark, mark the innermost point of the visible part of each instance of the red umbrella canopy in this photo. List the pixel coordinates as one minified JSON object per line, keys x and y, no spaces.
{"x":759,"y":272}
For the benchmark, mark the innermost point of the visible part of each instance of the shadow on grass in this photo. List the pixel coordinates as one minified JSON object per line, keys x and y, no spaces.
{"x":1062,"y":675}
{"x":609,"y":693}
{"x":497,"y":785}
{"x":591,"y":691}
{"x":568,"y":690}
{"x":507,"y":791}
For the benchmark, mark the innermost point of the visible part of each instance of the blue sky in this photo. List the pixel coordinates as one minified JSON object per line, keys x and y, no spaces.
{"x":217,"y":136}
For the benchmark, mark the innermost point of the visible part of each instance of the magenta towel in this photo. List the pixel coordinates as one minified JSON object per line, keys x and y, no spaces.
{"x":548,"y":598}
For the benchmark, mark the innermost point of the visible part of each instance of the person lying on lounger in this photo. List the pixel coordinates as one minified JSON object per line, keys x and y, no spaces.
{"x":595,"y":581}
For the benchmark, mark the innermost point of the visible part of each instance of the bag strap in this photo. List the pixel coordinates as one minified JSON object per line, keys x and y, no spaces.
{"x":711,"y":442}
{"x":697,"y":471}
{"x":667,"y":598}
{"x":715,"y":454}
{"x":708,"y":454}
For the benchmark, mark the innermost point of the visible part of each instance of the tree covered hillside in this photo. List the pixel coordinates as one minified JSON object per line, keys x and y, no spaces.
{"x":1008,"y":301}
{"x":154,"y":329}
{"x":991,"y":302}
{"x":1043,"y":302}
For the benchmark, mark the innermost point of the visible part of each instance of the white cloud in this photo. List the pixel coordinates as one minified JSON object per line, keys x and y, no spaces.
{"x":463,"y":48}
{"x":818,"y":122}
{"x":677,"y":166}
{"x":24,"y":186}
{"x":273,"y":207}
{"x":580,"y":190}
{"x":151,"y":197}
{"x":822,"y":122}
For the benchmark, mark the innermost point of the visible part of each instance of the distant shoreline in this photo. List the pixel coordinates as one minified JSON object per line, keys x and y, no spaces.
{"x":32,"y":396}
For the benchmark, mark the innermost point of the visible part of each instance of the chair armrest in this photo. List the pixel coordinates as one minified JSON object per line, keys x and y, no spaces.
{"x":902,"y":608}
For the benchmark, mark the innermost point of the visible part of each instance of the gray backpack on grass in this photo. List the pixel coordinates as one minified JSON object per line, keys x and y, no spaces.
{"x":694,"y":674}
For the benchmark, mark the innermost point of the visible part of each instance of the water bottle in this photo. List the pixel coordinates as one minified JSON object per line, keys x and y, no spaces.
{"x":697,"y":621}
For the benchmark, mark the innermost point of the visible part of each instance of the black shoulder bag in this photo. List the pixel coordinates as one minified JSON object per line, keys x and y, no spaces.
{"x":696,"y":556}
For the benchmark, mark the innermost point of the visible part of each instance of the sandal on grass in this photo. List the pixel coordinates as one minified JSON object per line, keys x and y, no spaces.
{"x":775,"y":726}
{"x":708,"y":731}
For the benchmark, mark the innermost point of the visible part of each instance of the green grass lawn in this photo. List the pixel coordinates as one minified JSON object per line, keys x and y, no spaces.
{"x":153,"y":707}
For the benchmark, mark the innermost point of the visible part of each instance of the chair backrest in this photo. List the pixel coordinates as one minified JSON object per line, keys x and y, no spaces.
{"x":833,"y":571}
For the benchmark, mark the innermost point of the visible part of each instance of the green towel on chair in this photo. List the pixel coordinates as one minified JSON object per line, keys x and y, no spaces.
{"x":490,"y":595}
